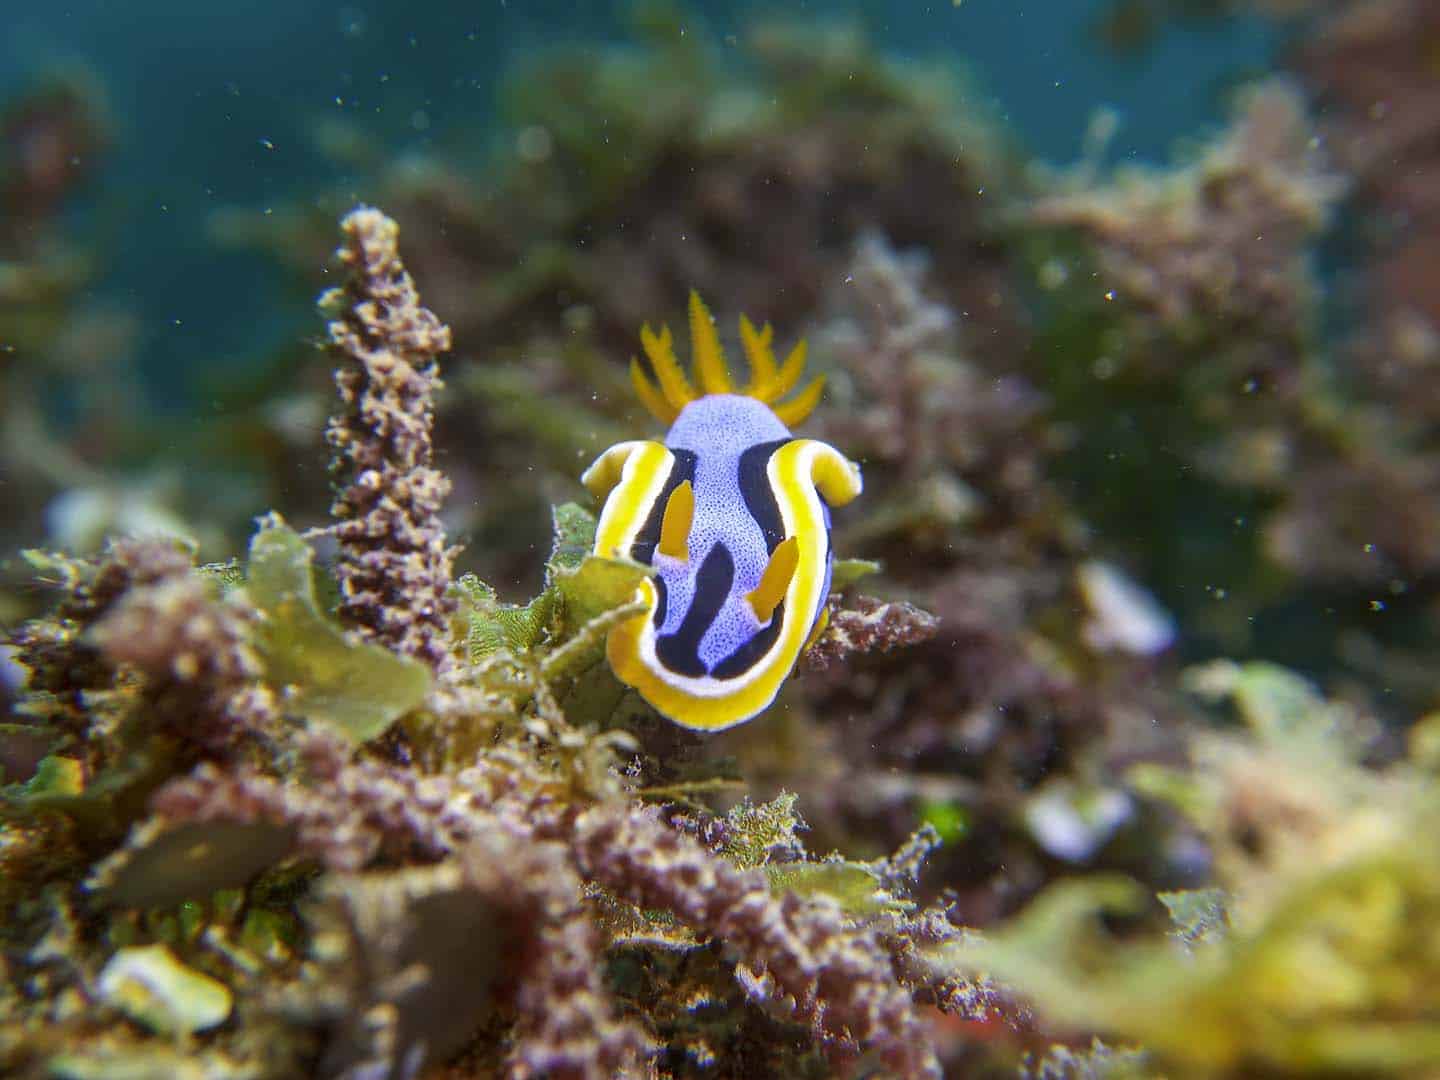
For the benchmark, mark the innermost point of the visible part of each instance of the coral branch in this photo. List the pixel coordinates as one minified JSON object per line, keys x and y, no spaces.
{"x":143,"y":605}
{"x":841,"y":978}
{"x":353,"y":810}
{"x":394,"y":565}
{"x":341,"y":812}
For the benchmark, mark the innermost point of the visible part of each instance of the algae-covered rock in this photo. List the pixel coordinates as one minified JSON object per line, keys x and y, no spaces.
{"x":150,"y":986}
{"x":356,"y":687}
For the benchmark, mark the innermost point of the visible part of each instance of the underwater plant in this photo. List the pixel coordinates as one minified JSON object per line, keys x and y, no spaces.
{"x":1312,"y":953}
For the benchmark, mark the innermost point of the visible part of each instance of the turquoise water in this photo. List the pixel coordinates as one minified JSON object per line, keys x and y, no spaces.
{"x":214,"y":107}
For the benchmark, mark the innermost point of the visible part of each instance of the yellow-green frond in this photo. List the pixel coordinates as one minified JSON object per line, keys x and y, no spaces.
{"x":660,"y":348}
{"x":649,"y":396}
{"x":795,"y":410}
{"x":707,"y":355}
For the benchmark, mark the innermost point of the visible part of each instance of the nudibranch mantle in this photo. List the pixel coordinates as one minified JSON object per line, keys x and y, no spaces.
{"x":732,"y":512}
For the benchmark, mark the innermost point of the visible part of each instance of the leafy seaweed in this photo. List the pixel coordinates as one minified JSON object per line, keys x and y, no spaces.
{"x":357,"y":688}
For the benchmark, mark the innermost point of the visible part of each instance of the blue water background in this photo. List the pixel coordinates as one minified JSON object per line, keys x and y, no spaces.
{"x":212,"y":105}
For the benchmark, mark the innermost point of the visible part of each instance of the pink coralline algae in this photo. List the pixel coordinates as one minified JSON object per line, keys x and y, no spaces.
{"x":394,"y":568}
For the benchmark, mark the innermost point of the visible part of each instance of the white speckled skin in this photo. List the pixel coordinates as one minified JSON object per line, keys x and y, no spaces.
{"x":718,"y":429}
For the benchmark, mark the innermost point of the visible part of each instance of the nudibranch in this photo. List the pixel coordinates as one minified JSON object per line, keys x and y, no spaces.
{"x":732,"y":512}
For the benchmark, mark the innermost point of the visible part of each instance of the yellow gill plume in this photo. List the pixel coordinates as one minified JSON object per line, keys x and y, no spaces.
{"x":768,"y":382}
{"x":774,"y":582}
{"x":675,"y":525}
{"x":706,"y":354}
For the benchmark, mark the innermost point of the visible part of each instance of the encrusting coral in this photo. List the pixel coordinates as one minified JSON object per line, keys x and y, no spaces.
{"x":194,"y":649}
{"x":60,"y":658}
{"x":234,"y":746}
{"x":142,"y":610}
{"x":394,"y":565}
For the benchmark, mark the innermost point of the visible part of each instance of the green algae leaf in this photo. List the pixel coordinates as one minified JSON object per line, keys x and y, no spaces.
{"x":755,"y":832}
{"x":356,"y":687}
{"x":163,"y":865}
{"x":56,"y":778}
{"x":1201,"y":916}
{"x":471,"y":592}
{"x":152,"y":1061}
{"x":516,"y":627}
{"x":848,"y":571}
{"x":473,"y":601}
{"x":1276,"y":703}
{"x":574,"y":612}
{"x":228,"y":575}
{"x":487,"y":625}
{"x":574,"y":528}
{"x":856,"y":888}
{"x":594,"y":587}
{"x":585,"y":586}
